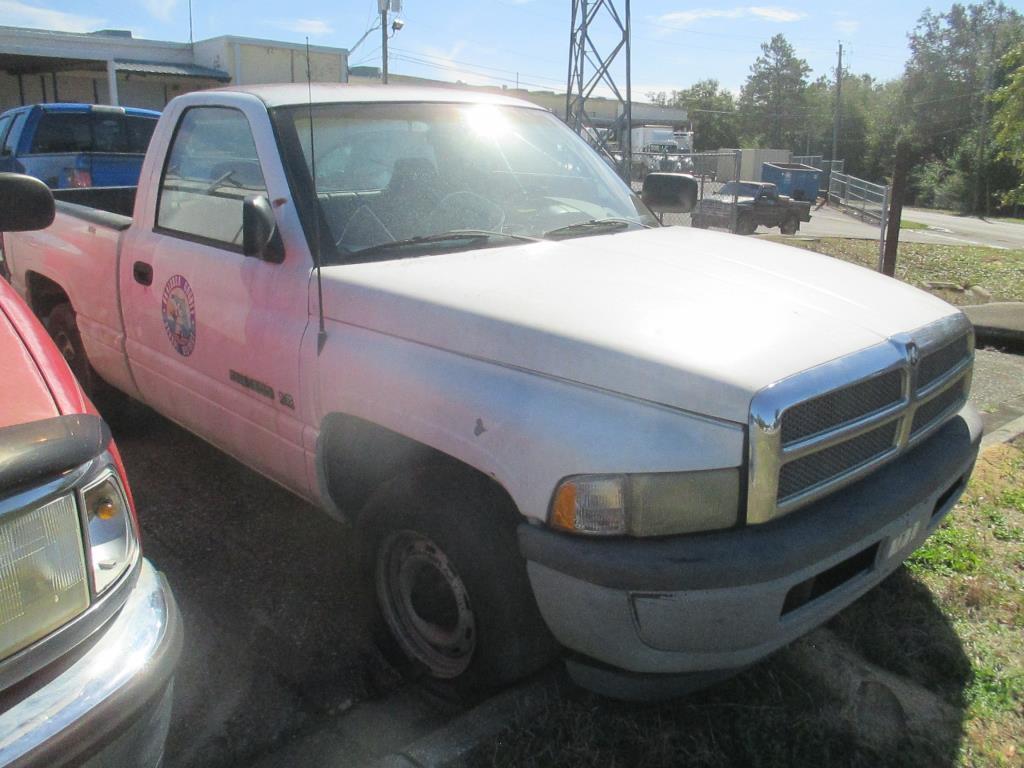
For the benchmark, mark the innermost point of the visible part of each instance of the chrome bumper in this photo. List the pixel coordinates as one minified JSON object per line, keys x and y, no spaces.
{"x":111,"y":691}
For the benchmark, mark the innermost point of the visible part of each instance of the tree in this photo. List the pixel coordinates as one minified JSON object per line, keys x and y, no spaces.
{"x":773,"y":100}
{"x":955,"y":66}
{"x":1008,"y":122}
{"x":712,"y":111}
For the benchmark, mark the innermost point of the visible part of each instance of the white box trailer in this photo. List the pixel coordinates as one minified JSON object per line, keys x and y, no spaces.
{"x":751,"y":160}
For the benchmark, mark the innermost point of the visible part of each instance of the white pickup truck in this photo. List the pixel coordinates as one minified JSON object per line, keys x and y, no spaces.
{"x":550,"y":419}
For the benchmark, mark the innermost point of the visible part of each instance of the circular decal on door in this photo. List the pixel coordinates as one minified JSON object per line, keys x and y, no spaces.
{"x":178,"y":308}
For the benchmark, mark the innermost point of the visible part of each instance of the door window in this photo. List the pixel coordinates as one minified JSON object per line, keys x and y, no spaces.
{"x":211,"y":168}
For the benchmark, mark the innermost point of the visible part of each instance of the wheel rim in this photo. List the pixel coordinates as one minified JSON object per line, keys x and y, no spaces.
{"x":67,"y":349}
{"x":425,"y":604}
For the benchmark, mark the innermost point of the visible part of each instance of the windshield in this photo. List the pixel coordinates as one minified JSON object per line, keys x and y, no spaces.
{"x":739,"y":188}
{"x":391,"y":173}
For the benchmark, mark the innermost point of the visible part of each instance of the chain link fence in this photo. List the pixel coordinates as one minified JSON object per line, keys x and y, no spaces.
{"x":711,"y":169}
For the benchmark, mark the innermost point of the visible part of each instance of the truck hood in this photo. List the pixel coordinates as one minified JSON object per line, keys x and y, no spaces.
{"x":24,"y":394}
{"x":686,"y":318}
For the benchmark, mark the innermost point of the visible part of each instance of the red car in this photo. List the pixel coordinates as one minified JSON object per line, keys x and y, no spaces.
{"x":89,"y":630}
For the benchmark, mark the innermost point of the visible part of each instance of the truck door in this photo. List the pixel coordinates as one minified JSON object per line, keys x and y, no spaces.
{"x":213,"y":336}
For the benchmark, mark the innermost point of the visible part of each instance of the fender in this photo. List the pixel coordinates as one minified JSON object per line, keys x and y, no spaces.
{"x":525,"y":431}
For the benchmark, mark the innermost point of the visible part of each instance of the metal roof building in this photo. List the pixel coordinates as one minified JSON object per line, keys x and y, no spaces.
{"x":112,"y":67}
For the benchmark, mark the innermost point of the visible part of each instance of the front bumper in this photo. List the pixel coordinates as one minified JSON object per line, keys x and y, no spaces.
{"x":110,"y":705}
{"x":699,"y":604}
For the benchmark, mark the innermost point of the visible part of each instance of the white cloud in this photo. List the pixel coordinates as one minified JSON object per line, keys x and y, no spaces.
{"x":312,"y":27}
{"x":24,"y":15}
{"x":766,"y":12}
{"x":160,"y":9}
{"x":774,"y":13}
{"x":846,"y":26}
{"x":685,"y":18}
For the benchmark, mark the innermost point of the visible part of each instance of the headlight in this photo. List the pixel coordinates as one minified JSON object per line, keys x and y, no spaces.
{"x":110,"y":534}
{"x":647,"y":504}
{"x":43,"y":581}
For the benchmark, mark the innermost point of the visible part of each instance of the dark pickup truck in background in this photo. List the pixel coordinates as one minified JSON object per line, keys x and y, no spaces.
{"x":76,"y":145}
{"x":743,"y":206}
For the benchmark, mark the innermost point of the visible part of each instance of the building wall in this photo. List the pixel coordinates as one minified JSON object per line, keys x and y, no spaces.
{"x":134,"y":90}
{"x":264,"y":62}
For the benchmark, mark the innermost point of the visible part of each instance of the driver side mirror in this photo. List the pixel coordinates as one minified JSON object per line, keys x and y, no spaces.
{"x":259,"y":230}
{"x":669,"y":192}
{"x":26,"y":203}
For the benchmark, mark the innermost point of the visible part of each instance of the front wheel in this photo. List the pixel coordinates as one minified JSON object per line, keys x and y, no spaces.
{"x":455,"y":608}
{"x":790,"y":226}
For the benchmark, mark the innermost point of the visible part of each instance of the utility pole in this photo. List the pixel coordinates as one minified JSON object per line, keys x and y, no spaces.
{"x":383,"y":5}
{"x":839,"y":105}
{"x":892,"y":229}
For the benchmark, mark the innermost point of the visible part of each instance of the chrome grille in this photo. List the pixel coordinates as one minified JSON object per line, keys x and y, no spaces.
{"x":816,"y":432}
{"x":926,"y":414}
{"x":943,"y":359}
{"x":805,"y":473}
{"x":841,"y":406}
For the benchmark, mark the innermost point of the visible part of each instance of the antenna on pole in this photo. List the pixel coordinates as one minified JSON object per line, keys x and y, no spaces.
{"x":321,"y":336}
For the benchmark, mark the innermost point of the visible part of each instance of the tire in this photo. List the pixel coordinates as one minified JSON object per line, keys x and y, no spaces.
{"x":63,"y":329}
{"x":790,"y":226}
{"x":745,"y":225}
{"x":453,"y":605}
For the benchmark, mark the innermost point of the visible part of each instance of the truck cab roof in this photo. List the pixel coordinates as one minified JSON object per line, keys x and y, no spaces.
{"x":80,"y":108}
{"x":293,"y":94}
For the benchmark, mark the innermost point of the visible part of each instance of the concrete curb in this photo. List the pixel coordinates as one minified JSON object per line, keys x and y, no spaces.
{"x":453,"y":744}
{"x":1004,"y":434}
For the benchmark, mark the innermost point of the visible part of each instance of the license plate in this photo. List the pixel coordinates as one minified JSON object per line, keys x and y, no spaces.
{"x":903,"y":540}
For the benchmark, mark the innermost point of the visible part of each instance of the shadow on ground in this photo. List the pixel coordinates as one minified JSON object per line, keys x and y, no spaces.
{"x":882,"y":685}
{"x":275,"y":635}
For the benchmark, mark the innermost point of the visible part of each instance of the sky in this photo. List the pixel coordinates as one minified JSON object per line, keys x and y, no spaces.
{"x":504,"y":42}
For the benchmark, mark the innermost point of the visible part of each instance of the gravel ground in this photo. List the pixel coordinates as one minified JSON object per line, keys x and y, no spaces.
{"x":276,"y":638}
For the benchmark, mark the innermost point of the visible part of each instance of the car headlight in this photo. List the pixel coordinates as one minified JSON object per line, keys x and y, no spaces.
{"x":109,"y":532}
{"x":659,"y":504}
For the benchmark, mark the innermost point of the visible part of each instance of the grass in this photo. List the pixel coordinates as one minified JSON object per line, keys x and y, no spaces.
{"x":1000,"y":272}
{"x":907,"y":224}
{"x":948,"y":626}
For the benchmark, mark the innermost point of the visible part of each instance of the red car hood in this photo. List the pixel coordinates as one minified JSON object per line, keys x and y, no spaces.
{"x":36,"y":382}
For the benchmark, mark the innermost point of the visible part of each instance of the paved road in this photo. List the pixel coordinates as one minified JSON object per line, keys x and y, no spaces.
{"x":944,"y":228}
{"x":966,"y":230}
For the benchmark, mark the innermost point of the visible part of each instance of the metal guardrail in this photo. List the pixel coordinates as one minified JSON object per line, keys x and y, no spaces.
{"x":864,"y":199}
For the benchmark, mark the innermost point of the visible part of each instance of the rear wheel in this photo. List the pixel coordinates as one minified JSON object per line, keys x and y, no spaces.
{"x":63,"y":329}
{"x":454,"y":605}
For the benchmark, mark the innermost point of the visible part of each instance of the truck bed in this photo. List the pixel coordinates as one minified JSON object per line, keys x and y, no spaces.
{"x":108,"y":206}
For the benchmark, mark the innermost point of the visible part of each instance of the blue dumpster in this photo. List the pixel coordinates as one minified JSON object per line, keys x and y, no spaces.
{"x":797,"y":180}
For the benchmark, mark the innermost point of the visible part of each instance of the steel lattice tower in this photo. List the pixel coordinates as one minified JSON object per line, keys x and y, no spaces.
{"x":589,"y":69}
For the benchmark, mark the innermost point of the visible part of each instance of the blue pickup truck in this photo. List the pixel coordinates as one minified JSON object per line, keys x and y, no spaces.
{"x":76,"y":145}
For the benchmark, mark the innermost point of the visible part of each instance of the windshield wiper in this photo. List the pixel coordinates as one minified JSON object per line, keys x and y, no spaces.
{"x":460,"y":238}
{"x":594,"y":227}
